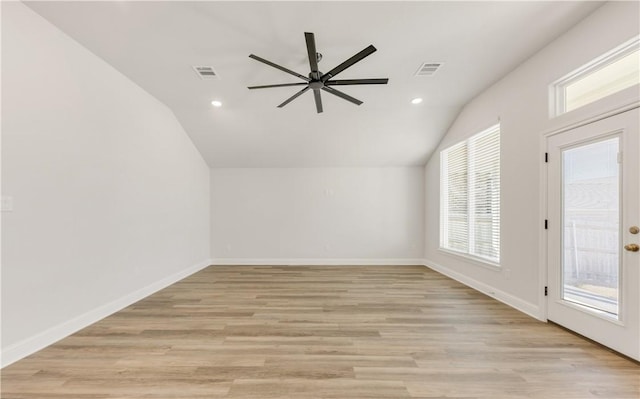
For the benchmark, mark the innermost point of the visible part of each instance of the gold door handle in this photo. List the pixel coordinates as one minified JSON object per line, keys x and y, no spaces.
{"x":632,"y":247}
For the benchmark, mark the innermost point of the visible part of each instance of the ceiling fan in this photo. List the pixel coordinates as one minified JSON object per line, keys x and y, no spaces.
{"x":322,"y":81}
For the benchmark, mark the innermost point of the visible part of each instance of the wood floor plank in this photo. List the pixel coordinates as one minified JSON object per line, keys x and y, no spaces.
{"x":321,"y":332}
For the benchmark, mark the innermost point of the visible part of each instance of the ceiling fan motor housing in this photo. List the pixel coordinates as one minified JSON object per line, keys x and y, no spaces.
{"x":316,"y":84}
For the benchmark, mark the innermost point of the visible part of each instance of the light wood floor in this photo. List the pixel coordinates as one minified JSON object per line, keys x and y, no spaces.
{"x":321,"y":332}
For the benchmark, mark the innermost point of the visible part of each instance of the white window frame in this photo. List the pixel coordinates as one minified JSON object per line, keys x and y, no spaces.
{"x":557,"y":88}
{"x":481,"y":260}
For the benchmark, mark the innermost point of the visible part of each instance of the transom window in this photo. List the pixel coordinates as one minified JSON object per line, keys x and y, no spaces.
{"x":608,"y":74}
{"x":470,"y":196}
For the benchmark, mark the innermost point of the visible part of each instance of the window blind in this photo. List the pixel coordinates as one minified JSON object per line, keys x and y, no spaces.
{"x":470,"y":196}
{"x":457,"y":200}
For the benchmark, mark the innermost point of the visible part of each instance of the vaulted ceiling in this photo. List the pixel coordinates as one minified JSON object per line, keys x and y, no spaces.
{"x":156,"y":44}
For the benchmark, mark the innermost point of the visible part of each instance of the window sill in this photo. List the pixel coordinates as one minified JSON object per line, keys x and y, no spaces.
{"x":487,"y":264}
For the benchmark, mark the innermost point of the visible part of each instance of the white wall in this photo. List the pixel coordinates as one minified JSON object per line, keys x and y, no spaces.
{"x":110,"y":197}
{"x":520,"y":101}
{"x":317,"y":215}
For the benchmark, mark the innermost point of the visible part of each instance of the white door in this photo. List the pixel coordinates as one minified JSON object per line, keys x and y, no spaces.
{"x":593,"y":218}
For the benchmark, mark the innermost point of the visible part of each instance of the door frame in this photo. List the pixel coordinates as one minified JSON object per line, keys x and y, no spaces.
{"x":543,"y":275}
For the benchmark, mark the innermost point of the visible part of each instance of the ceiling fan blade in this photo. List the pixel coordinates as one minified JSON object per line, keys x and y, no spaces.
{"x":311,"y":51}
{"x":362,"y":54}
{"x":283,"y":69}
{"x":277,"y":85}
{"x":357,"y":82}
{"x":342,"y":95}
{"x":316,"y":96}
{"x":293,"y":97}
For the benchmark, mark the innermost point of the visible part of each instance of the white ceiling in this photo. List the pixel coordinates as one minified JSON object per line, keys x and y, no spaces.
{"x":156,"y":43}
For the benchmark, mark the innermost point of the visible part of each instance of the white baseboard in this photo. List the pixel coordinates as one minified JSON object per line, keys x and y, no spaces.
{"x":508,"y":299}
{"x":317,"y":261}
{"x":39,"y":341}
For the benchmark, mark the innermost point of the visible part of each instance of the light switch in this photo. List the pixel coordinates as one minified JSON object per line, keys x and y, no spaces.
{"x":6,"y":204}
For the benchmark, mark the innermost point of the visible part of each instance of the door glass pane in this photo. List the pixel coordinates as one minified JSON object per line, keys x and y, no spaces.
{"x":591,"y":218}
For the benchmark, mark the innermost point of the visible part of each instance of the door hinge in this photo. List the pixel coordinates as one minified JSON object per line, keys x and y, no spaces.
{"x":546,"y":224}
{"x":546,"y":157}
{"x":546,"y":291}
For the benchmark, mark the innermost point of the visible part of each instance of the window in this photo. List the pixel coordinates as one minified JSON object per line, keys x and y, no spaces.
{"x":470,"y":196}
{"x":606,"y":75}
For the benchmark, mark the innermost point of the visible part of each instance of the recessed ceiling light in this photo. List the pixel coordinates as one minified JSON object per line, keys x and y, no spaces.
{"x":216,"y":103}
{"x":416,"y":100}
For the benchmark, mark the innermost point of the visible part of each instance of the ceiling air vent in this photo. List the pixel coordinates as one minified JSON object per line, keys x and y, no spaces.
{"x":205,"y":72}
{"x":428,"y":68}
